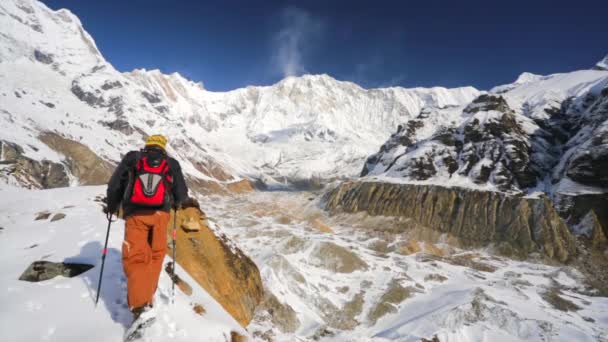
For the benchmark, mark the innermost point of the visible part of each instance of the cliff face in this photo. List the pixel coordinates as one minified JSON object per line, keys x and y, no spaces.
{"x":517,"y":226}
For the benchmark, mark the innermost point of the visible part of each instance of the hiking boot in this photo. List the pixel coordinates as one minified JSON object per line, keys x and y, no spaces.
{"x":140,"y":310}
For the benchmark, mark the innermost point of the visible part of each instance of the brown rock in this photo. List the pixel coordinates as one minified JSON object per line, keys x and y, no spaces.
{"x":239,"y":187}
{"x":191,"y":219}
{"x":394,"y":295}
{"x":322,"y":227}
{"x":182,"y":285}
{"x":518,"y":226}
{"x":221,"y":188}
{"x":83,"y":163}
{"x":236,"y":337}
{"x":198,"y":309}
{"x":221,"y":268}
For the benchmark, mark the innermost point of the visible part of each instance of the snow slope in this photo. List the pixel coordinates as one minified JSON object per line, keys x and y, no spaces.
{"x":63,"y":309}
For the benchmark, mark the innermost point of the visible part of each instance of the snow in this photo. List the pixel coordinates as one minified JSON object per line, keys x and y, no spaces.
{"x":63,"y":309}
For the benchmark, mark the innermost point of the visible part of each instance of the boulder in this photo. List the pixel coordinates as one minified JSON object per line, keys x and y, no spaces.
{"x":45,"y":270}
{"x":516,"y":225}
{"x":217,"y":265}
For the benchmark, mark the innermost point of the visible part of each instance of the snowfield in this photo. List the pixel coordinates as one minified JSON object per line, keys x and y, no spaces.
{"x":63,"y":309}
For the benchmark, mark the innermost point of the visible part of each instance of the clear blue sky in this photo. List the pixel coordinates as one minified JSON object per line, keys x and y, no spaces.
{"x":230,"y":44}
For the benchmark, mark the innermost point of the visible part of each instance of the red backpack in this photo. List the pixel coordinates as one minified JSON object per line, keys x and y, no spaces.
{"x":151,"y":181}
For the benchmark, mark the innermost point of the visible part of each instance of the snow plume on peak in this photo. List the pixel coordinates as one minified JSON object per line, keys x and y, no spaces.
{"x":298,"y":30}
{"x":602,"y":65}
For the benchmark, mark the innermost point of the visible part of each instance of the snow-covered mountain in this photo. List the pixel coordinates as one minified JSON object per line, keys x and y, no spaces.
{"x":55,"y":79}
{"x":540,"y":133}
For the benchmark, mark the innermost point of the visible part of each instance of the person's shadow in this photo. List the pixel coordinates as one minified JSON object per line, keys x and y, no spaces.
{"x":114,"y":286}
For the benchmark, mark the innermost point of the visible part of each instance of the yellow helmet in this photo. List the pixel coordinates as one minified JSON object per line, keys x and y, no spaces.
{"x":157,"y":140}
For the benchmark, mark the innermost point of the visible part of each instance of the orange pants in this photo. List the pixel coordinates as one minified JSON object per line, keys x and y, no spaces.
{"x":143,"y":252}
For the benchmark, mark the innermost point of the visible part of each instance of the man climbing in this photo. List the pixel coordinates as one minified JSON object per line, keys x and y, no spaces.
{"x":148,"y":183}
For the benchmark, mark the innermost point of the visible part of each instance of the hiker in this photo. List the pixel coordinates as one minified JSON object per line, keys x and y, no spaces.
{"x":148,"y":183}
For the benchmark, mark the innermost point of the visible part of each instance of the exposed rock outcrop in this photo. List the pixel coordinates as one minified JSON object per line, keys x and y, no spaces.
{"x":28,"y":172}
{"x":281,"y":315}
{"x":517,"y":226}
{"x":220,"y":267}
{"x":45,"y":270}
{"x":89,"y":168}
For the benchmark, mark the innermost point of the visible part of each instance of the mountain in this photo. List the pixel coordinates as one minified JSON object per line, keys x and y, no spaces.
{"x":527,"y":136}
{"x":56,"y":83}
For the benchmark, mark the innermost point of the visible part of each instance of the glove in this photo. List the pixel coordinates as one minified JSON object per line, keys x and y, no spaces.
{"x":110,"y":209}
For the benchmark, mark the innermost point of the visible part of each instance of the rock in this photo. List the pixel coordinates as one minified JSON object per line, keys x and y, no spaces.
{"x":191,"y":219}
{"x":152,"y":98}
{"x":28,"y":172}
{"x":107,"y":85}
{"x":552,"y":296}
{"x":590,"y":207}
{"x":203,"y":186}
{"x":320,"y":226}
{"x":57,"y":217}
{"x":468,"y":260}
{"x":83,"y":163}
{"x":517,"y":226}
{"x":336,"y":258}
{"x":590,"y":168}
{"x":42,"y":216}
{"x":120,"y":125}
{"x":179,"y":282}
{"x":393,"y":296}
{"x":236,"y":337}
{"x":221,"y":268}
{"x":282,"y":315}
{"x":198,"y":309}
{"x":241,"y":186}
{"x":45,"y":270}
{"x":599,"y":241}
{"x":435,"y":277}
{"x":43,"y":57}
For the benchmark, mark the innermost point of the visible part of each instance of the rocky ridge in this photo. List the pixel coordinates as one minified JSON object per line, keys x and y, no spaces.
{"x":516,"y":226}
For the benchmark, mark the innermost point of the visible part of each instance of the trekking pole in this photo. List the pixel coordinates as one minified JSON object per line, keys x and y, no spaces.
{"x":174,"y":261}
{"x":103,"y":258}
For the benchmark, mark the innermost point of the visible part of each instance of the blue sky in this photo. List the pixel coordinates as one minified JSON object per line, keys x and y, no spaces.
{"x":231,"y":44}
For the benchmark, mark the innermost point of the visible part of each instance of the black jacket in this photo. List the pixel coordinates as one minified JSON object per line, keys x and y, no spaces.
{"x":123,"y":176}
